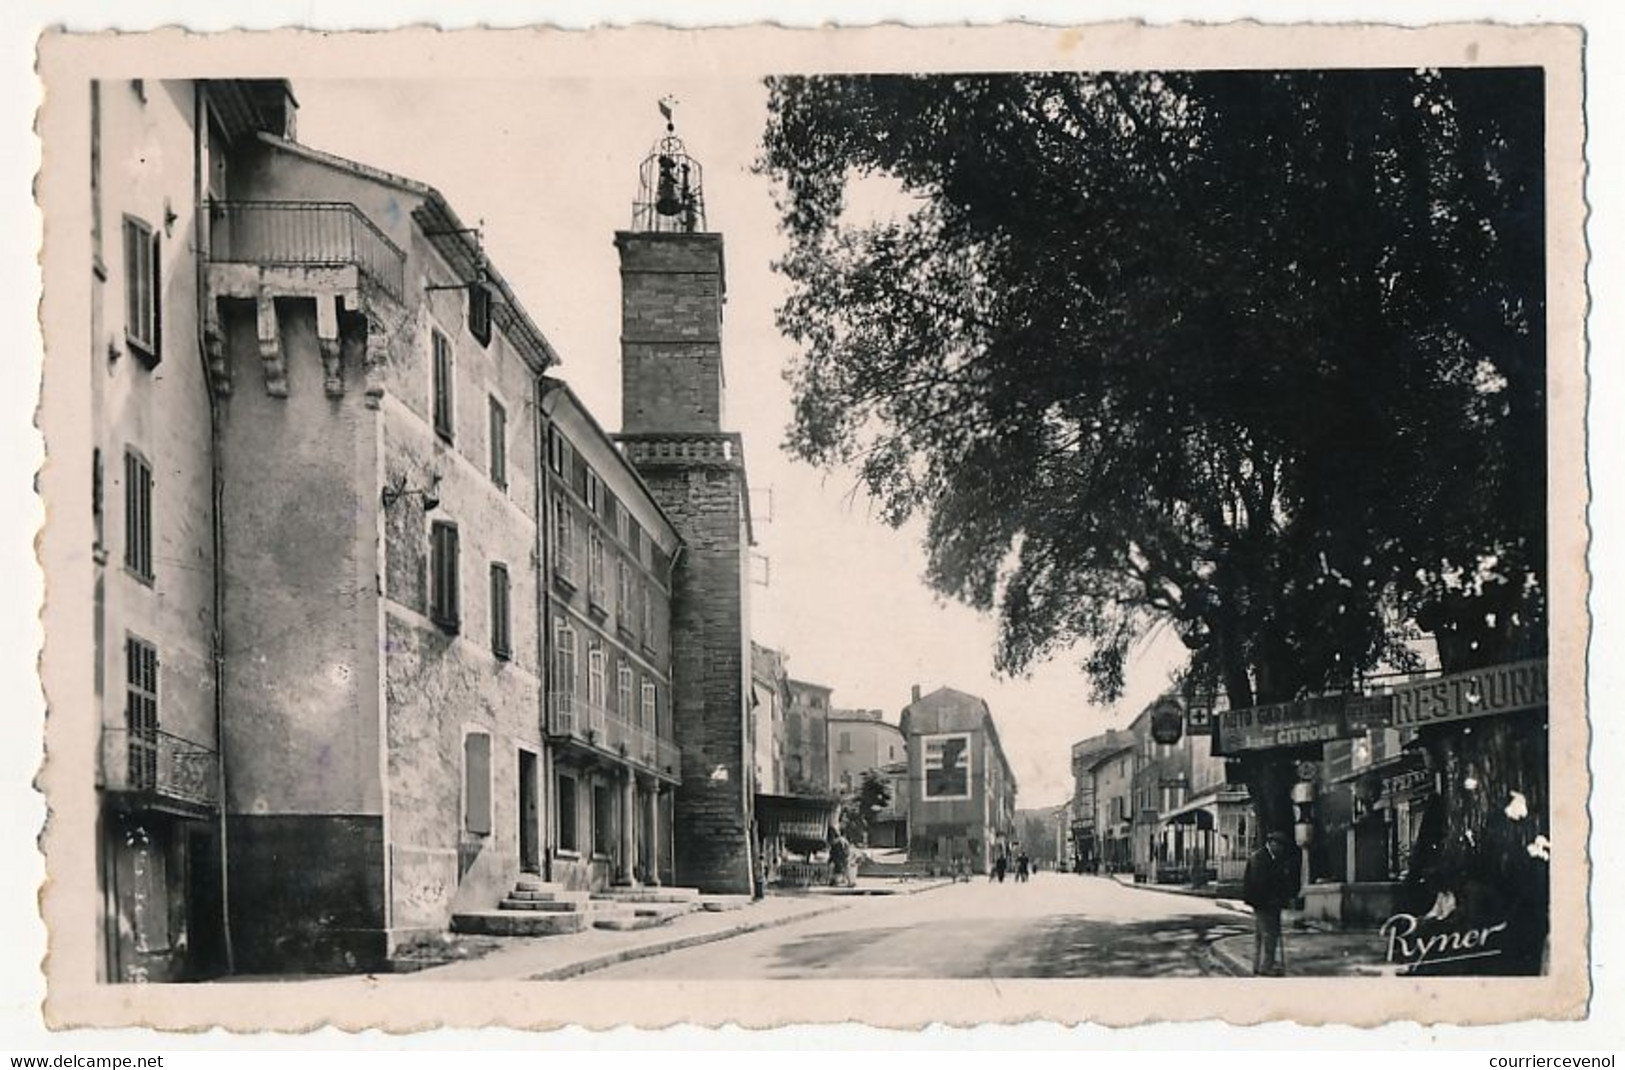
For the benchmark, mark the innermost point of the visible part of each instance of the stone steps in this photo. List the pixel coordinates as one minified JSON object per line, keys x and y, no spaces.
{"x":519,"y":922}
{"x":549,"y":895}
{"x":549,"y":906}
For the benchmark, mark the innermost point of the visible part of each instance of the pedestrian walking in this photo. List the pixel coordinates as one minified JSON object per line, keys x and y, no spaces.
{"x":1270,"y":884}
{"x":1000,"y":866}
{"x":1023,"y":868}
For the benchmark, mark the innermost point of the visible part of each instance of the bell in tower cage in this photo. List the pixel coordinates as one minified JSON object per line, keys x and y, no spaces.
{"x":667,"y":200}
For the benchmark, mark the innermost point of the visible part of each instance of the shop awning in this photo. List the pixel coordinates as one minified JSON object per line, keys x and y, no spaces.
{"x":797,"y":817}
{"x":1203,"y":810}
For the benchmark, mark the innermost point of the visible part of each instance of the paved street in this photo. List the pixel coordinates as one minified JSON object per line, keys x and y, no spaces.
{"x":1058,"y":925}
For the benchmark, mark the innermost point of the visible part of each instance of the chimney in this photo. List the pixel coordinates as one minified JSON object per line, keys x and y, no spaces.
{"x":916,"y":693}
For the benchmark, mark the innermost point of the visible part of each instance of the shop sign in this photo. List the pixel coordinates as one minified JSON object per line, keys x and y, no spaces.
{"x":1406,"y":782}
{"x":1285,"y":724}
{"x":1498,"y":689}
{"x":1167,"y":721}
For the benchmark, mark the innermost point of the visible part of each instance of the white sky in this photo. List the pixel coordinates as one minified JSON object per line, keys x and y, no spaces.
{"x":551,"y":168}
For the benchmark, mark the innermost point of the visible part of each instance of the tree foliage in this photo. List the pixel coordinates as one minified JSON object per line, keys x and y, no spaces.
{"x":859,"y":808}
{"x":1257,"y":355}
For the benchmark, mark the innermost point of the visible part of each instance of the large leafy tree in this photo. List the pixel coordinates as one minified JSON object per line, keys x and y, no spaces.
{"x":1255,"y":356}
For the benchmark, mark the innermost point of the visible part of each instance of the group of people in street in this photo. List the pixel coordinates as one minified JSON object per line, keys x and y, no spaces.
{"x":1021,"y":867}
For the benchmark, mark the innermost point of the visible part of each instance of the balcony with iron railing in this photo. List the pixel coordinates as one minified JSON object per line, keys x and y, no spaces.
{"x":305,"y":234}
{"x":160,"y":770}
{"x":573,"y":718}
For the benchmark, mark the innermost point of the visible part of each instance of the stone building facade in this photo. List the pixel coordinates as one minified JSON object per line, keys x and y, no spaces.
{"x":860,"y":741}
{"x":613,"y":757}
{"x":806,"y":738}
{"x":153,"y":550}
{"x":379,"y":384}
{"x":770,"y":695}
{"x":345,"y":524}
{"x":1100,"y":814}
{"x":962,"y":793}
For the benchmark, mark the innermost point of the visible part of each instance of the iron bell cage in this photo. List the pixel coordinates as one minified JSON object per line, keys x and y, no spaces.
{"x":671,"y":193}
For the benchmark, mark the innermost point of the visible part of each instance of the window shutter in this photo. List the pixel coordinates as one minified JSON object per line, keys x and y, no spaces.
{"x":137,"y":516}
{"x":155,"y":318}
{"x":479,"y":312}
{"x":499,"y":443}
{"x":499,"y":611}
{"x":477,"y":778}
{"x":443,"y":591}
{"x":442,"y":386}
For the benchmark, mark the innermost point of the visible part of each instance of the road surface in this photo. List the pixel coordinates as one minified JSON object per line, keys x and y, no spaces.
{"x":1056,"y":925}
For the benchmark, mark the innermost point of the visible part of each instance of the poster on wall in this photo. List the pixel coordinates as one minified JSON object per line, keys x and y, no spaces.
{"x":947,"y":766}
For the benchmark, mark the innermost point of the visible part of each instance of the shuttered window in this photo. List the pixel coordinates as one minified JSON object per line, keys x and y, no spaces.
{"x":444,"y":422}
{"x":595,"y":568}
{"x":141,"y":304}
{"x":501,"y":643}
{"x":141,"y":713}
{"x":623,"y":691}
{"x":564,"y":661}
{"x":479,"y":312}
{"x":595,"y":677}
{"x":623,"y":603}
{"x":477,"y":783}
{"x":564,"y":556}
{"x":443,"y":587}
{"x":647,"y":719}
{"x":498,"y":424}
{"x":138,"y":515}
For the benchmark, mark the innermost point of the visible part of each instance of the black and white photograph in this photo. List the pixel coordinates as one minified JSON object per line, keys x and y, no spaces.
{"x":735,"y":516}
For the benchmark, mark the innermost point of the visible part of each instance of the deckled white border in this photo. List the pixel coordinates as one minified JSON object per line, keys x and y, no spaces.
{"x":266,"y":12}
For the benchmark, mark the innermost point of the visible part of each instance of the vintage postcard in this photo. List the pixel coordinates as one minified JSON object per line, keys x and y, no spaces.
{"x":779,"y":526}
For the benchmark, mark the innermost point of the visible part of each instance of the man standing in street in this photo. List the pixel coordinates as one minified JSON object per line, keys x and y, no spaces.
{"x":1270,"y":885}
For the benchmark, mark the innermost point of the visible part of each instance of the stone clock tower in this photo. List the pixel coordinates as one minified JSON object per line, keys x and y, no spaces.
{"x":672,"y":388}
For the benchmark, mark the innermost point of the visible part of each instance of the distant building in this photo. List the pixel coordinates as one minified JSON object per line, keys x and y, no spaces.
{"x":860,"y":742}
{"x":806,"y":738}
{"x":962,"y":794}
{"x":1190,"y":826}
{"x":1099,"y":823}
{"x":770,"y":698}
{"x":792,"y":818}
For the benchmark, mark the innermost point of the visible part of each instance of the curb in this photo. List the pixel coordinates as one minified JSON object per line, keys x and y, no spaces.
{"x":644,"y":951}
{"x":1225,"y":904}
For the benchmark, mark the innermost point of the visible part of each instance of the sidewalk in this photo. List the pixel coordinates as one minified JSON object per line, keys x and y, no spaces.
{"x":556,"y":958}
{"x":1227,"y":903}
{"x":1311,"y":953}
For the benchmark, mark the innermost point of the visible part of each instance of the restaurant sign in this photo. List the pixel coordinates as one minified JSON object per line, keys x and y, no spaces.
{"x":1285,"y":724}
{"x":1521,"y":685}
